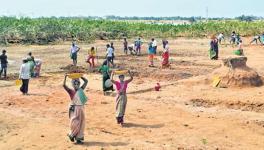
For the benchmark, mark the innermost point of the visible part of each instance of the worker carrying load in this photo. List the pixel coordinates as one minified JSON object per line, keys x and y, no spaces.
{"x":37,"y":68}
{"x":256,"y":39}
{"x":240,"y":51}
{"x":132,"y":49}
{"x":121,"y":99}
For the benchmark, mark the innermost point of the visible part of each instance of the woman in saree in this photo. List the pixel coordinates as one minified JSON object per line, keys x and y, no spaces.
{"x":104,"y":69}
{"x":151,"y":53}
{"x":121,"y":99}
{"x":76,"y":109}
{"x":32,"y":63}
{"x":213,"y":52}
{"x":91,"y":57}
{"x":165,"y":56}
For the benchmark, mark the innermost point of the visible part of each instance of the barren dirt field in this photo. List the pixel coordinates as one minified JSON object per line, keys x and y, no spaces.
{"x":188,"y":113}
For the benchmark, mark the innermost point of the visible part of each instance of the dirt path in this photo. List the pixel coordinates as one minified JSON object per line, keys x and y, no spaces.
{"x":154,"y":120}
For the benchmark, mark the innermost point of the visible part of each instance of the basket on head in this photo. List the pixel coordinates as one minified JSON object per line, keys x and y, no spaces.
{"x":75,"y":75}
{"x":121,"y":72}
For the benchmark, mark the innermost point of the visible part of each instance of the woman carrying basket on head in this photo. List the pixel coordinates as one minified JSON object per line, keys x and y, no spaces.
{"x":121,"y":99}
{"x":104,"y":69}
{"x":76,"y":110}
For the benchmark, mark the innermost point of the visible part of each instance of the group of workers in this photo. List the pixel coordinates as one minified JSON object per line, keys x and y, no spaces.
{"x":77,"y":94}
{"x":235,"y":39}
{"x":215,"y":41}
{"x":135,"y":49}
{"x":27,"y":70}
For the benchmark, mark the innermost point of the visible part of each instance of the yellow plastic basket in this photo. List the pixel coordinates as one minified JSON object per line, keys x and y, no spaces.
{"x":18,"y":82}
{"x":121,"y":72}
{"x":75,"y":75}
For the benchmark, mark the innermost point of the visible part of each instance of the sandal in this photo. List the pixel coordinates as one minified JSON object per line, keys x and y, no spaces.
{"x":70,"y":137}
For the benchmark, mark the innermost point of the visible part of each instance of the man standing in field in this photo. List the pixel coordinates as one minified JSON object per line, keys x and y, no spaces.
{"x":221,"y":38}
{"x":125,"y":46}
{"x":4,"y":62}
{"x":24,"y":75}
{"x":113,"y":48}
{"x":109,"y":55}
{"x":74,"y":51}
{"x":138,"y":44}
{"x":233,"y":38}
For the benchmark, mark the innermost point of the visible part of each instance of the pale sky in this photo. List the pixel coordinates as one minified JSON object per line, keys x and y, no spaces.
{"x":157,"y":8}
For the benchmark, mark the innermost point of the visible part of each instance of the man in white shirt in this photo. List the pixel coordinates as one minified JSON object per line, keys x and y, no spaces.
{"x":109,"y":55}
{"x":154,"y":45}
{"x":220,"y":38}
{"x":24,"y":75}
{"x":74,"y":51}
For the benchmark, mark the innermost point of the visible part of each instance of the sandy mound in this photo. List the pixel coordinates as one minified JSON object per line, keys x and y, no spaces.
{"x":73,"y":69}
{"x":235,"y":73}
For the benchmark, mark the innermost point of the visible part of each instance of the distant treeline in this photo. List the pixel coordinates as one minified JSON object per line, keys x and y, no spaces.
{"x":173,"y":18}
{"x":193,"y":18}
{"x":46,"y":30}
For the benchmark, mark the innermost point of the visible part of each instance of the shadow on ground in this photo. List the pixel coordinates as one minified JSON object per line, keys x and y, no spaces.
{"x":103,"y":144}
{"x":134,"y":125}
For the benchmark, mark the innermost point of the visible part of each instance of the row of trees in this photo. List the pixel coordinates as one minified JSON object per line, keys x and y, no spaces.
{"x":46,"y":30}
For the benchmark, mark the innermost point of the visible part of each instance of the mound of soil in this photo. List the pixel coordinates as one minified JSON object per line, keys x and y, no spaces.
{"x":73,"y":69}
{"x":235,"y":73}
